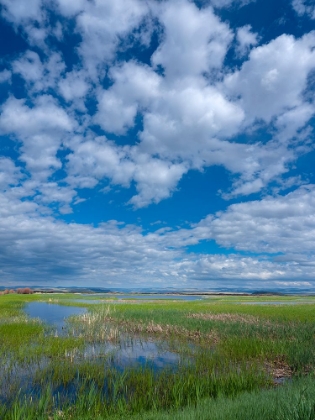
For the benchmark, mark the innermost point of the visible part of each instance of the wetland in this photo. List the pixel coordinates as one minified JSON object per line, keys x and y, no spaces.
{"x":70,"y":356}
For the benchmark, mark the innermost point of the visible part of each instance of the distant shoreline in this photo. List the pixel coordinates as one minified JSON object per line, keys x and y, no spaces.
{"x":98,"y":291}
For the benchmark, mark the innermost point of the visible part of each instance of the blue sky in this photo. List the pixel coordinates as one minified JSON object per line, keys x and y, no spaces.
{"x":157,"y":143}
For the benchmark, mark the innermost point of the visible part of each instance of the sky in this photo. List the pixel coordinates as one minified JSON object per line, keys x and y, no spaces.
{"x":157,"y":144}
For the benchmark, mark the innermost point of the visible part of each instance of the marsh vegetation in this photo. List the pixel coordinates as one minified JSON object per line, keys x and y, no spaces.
{"x":218,"y":358}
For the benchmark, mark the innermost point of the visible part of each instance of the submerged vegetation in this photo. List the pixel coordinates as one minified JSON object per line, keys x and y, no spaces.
{"x":218,"y":358}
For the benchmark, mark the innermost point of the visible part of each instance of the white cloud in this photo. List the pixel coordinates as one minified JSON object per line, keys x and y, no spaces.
{"x":74,"y":85}
{"x":123,"y":255}
{"x":30,"y":17}
{"x":39,"y":76}
{"x":135,"y":86}
{"x":291,"y":121}
{"x":40,"y":128}
{"x":95,"y":159}
{"x":274,"y":224}
{"x":29,"y":67}
{"x":70,"y":8}
{"x":102,"y":25}
{"x":186,"y":121}
{"x":304,"y":7}
{"x":245,"y":39}
{"x":195,"y":41}
{"x":156,"y":179}
{"x":114,"y":114}
{"x":19,"y":10}
{"x":5,"y":76}
{"x":274,"y":77}
{"x":189,"y":117}
{"x":10,"y":175}
{"x":99,"y":158}
{"x":229,"y":3}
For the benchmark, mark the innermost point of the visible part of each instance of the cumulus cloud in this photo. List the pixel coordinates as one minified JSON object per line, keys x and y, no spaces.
{"x":134,"y":87}
{"x":195,"y":41}
{"x":10,"y":175}
{"x":18,"y":11}
{"x":188,"y":116}
{"x":284,"y":224}
{"x":155,"y":179}
{"x":73,"y":86}
{"x":274,"y":77}
{"x":99,"y":158}
{"x":102,"y":24}
{"x":71,"y":8}
{"x":40,"y":127}
{"x":180,"y":105}
{"x":304,"y":7}
{"x":39,"y":76}
{"x":245,"y":39}
{"x":125,"y":255}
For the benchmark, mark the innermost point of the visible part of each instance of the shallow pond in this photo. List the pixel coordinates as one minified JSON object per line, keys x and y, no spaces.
{"x":51,"y":314}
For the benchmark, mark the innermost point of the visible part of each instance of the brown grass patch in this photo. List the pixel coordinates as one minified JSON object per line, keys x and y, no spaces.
{"x":279,"y":368}
{"x":247,"y":319}
{"x":153,"y":328}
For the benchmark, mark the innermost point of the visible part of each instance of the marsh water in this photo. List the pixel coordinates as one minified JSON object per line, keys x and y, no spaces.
{"x":126,"y":351}
{"x":51,"y":314}
{"x":101,"y":297}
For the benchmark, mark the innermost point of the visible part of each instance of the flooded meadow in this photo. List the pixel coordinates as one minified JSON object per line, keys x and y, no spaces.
{"x":83,"y":357}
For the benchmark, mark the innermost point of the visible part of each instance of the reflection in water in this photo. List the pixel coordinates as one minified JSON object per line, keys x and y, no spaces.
{"x":134,"y":352}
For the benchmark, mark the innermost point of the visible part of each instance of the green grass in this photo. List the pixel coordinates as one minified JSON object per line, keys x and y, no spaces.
{"x":292,"y":401}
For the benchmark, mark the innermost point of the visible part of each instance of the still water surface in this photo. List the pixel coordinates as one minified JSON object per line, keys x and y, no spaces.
{"x":145,"y":297}
{"x":51,"y":314}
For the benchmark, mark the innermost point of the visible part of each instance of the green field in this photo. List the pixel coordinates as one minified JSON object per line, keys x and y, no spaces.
{"x":234,"y":360}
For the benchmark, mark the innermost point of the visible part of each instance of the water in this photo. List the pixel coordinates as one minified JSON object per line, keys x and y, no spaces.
{"x":105,"y":298}
{"x":51,"y":314}
{"x":135,"y":352}
{"x":120,"y":300}
{"x":144,"y":297}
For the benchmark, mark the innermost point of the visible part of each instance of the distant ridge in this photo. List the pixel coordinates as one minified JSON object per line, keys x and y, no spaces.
{"x":166,"y":291}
